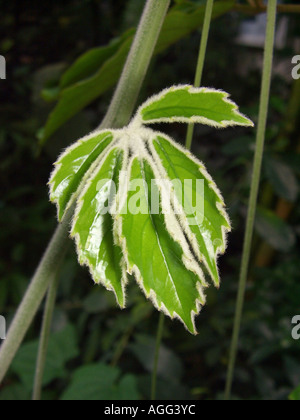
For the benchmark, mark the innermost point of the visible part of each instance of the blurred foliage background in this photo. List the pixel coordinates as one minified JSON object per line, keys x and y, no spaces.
{"x":97,"y":351}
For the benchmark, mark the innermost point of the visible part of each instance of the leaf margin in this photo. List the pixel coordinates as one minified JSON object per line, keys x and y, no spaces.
{"x":194,"y":119}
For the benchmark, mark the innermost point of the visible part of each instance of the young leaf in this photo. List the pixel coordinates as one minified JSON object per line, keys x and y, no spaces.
{"x":73,"y":165}
{"x":93,"y":227}
{"x":141,"y":216}
{"x":156,"y":258}
{"x":206,"y":223}
{"x":192,"y":105}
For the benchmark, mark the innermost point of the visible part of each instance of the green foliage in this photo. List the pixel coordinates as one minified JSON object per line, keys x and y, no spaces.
{"x":112,"y":218}
{"x":98,"y":70}
{"x":190,"y":105}
{"x":27,"y":221}
{"x":282,"y":179}
{"x":100,"y":382}
{"x":295,"y":395}
{"x":62,"y":348}
{"x":274,"y":230}
{"x":71,"y":168}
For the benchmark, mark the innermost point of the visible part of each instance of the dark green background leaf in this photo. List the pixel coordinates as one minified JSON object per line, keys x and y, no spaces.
{"x":100,"y":382}
{"x":62,"y":348}
{"x":274,"y":230}
{"x":282,"y":178}
{"x":98,"y":70}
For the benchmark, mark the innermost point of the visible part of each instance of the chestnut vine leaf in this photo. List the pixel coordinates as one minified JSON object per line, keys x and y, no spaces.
{"x":146,"y":206}
{"x":72,"y":167}
{"x":192,"y":105}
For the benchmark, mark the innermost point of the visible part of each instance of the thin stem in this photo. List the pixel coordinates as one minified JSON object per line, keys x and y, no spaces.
{"x":260,"y":141}
{"x":156,"y":355}
{"x":126,"y":94}
{"x":201,"y":60}
{"x":121,"y":346}
{"x":46,"y":271}
{"x":44,"y":339}
{"x":118,"y":114}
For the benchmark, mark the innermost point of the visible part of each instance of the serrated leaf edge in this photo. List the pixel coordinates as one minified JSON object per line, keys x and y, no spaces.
{"x":79,"y":203}
{"x":183,"y":219}
{"x":187,"y":259}
{"x":138,"y":119}
{"x":58,"y":164}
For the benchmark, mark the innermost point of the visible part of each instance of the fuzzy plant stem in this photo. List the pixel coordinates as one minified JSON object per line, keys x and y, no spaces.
{"x":259,"y":150}
{"x":44,"y":339}
{"x":201,"y":60}
{"x":138,"y":61}
{"x":45,"y":274}
{"x":119,"y":114}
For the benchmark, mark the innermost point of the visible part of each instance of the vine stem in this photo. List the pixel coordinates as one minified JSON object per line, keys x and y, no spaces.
{"x":45,"y":274}
{"x":126,"y":94}
{"x":201,"y":60}
{"x":160,"y":331}
{"x":118,"y":114}
{"x":260,"y":141}
{"x":44,"y":339}
{"x":189,"y":140}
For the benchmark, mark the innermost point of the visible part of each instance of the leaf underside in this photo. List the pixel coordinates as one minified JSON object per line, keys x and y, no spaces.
{"x":113,"y":175}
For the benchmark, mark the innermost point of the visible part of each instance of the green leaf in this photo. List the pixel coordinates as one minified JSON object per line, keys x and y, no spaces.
{"x":295,"y":395}
{"x":144,"y":205}
{"x":62,"y":348}
{"x":184,"y":18}
{"x":274,"y":230}
{"x":192,"y":105}
{"x":282,"y":179}
{"x":99,"y":69}
{"x":73,"y":165}
{"x":100,"y":382}
{"x":15,"y":392}
{"x":75,"y":97}
{"x":90,"y":62}
{"x":206,"y":223}
{"x":157,"y":260}
{"x":169,"y":364}
{"x":93,"y":227}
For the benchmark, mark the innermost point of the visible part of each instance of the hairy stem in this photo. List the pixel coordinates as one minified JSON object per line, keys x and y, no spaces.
{"x":201,"y":60}
{"x":44,"y":339}
{"x":260,"y":141}
{"x":119,"y":113}
{"x":156,"y":355}
{"x":138,"y":61}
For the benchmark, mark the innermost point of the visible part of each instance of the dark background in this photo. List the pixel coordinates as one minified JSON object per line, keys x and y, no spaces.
{"x":40,"y":40}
